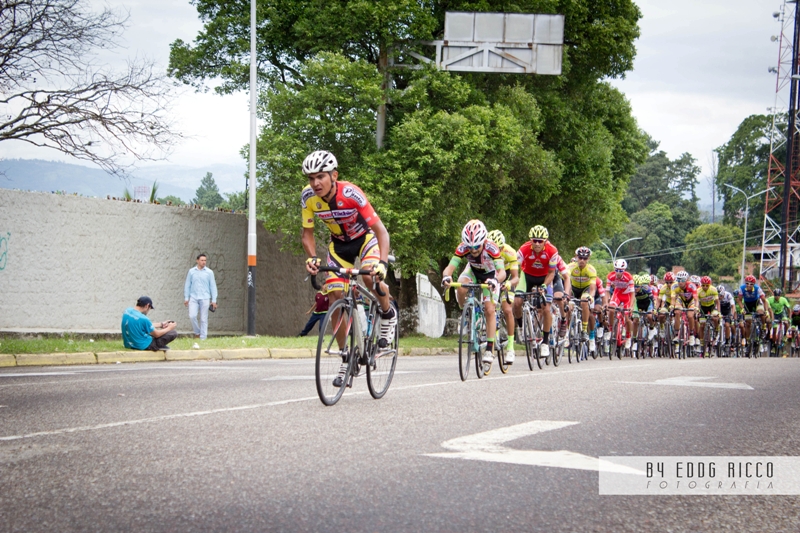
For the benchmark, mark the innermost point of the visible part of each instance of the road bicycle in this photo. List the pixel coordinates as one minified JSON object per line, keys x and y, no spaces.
{"x":557,"y":347}
{"x":578,"y":347}
{"x":472,"y":333}
{"x":644,"y":346}
{"x":777,"y":331}
{"x":349,"y":340}
{"x":683,"y":349}
{"x":663,"y":346}
{"x":754,"y":344}
{"x":794,"y":343}
{"x":618,"y":335}
{"x":711,"y":335}
{"x":532,"y":322}
{"x":501,"y":336}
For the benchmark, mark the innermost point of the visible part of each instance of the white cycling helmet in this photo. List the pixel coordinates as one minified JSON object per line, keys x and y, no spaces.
{"x":796,"y":308}
{"x":620,"y":264}
{"x":695,"y":279}
{"x":681,"y":276}
{"x":474,"y":233}
{"x":319,"y":161}
{"x":721,"y":289}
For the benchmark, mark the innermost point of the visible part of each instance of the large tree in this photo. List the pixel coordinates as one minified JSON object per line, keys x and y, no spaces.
{"x":207,"y":194}
{"x":713,"y":249}
{"x":53,"y":95}
{"x":513,"y":150}
{"x":744,"y":163}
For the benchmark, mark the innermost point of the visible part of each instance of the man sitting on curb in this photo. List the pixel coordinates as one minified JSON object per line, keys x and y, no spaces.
{"x":138,"y":332}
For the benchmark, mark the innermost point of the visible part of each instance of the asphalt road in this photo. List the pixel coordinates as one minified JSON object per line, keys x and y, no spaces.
{"x":247,"y":446}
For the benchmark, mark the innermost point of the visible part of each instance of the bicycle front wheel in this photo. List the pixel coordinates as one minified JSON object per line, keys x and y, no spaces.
{"x":380,"y":367}
{"x":465,"y":340}
{"x":501,"y":344}
{"x":334,"y":352}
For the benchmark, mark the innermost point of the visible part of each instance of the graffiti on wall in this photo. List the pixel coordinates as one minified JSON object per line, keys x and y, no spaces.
{"x":4,"y":250}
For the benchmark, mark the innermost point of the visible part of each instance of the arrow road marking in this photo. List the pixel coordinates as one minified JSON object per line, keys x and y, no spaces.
{"x":487,"y":446}
{"x":692,"y":381}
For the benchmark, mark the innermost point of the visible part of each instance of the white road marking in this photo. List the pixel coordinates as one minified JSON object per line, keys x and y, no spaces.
{"x":313,"y":377}
{"x":486,"y":446}
{"x":295,"y":400}
{"x":693,"y":381}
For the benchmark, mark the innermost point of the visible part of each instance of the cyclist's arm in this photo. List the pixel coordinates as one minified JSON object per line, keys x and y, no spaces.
{"x":451,"y":268}
{"x":514,"y":278}
{"x":310,"y":246}
{"x":383,"y":239}
{"x":551,"y":274}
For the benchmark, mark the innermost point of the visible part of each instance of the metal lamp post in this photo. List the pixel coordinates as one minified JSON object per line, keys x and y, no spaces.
{"x":746,"y":210}
{"x":614,"y":255}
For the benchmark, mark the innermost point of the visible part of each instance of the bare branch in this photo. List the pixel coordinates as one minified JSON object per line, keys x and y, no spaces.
{"x":51,"y":93}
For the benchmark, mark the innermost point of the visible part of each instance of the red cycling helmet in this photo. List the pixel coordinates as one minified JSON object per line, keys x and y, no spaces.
{"x":750,"y":279}
{"x":705,"y":280}
{"x":669,"y":277}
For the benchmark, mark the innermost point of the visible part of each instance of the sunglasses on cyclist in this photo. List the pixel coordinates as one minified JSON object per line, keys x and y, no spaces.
{"x":749,"y":284}
{"x":537,"y":241}
{"x":619,"y":271}
{"x":475,"y":248}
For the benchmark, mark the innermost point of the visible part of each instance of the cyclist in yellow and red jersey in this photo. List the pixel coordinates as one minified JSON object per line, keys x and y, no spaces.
{"x":621,"y":282}
{"x":684,"y":299}
{"x":509,"y":256}
{"x":356,"y":233}
{"x":582,"y":284}
{"x":484,"y":264}
{"x":664,"y":298}
{"x":538,"y":260}
{"x":708,"y":297}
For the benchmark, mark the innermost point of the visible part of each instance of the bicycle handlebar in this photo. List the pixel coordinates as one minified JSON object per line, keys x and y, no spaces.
{"x":349,"y":272}
{"x":456,"y":285}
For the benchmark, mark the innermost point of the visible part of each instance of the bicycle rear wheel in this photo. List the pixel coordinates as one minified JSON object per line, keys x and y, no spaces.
{"x":334,"y":349}
{"x":465,"y":340}
{"x":574,"y":342}
{"x":380,"y":369}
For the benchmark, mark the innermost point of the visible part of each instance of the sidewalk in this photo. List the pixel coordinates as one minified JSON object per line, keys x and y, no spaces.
{"x":137,"y":356}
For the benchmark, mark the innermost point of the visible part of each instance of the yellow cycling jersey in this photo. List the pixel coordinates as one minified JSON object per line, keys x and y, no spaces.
{"x":581,"y":278}
{"x":509,"y":257}
{"x":665,"y":293}
{"x":707,"y":298}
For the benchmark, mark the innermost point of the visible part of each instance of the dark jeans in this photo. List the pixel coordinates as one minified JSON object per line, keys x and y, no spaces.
{"x":315,"y":317}
{"x":161,"y":342}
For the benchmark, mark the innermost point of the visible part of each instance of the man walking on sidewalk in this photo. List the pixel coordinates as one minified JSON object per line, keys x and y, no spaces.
{"x":200,"y":295}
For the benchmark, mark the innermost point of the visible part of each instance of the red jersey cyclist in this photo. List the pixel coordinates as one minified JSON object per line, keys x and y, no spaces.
{"x":538,"y":260}
{"x":484,"y":265}
{"x":621,"y":282}
{"x":356,"y":233}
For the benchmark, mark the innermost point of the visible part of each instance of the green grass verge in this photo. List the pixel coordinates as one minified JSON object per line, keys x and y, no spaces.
{"x":76,"y":345}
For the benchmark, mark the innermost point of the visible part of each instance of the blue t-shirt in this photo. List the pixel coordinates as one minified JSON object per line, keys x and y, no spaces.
{"x":136,"y":328}
{"x":751,"y":296}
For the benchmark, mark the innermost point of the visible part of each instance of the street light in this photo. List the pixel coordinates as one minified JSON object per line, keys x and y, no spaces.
{"x":614,"y":255}
{"x":746,"y":209}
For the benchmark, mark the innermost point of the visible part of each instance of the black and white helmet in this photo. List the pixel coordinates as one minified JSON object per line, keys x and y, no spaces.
{"x":319,"y":161}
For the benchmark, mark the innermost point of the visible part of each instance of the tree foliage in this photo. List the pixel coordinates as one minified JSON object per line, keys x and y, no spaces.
{"x":512,"y":150}
{"x":713,"y":249}
{"x":662,"y":203}
{"x":55,"y":96}
{"x":171,"y":198}
{"x":207,"y":194}
{"x":744,"y":163}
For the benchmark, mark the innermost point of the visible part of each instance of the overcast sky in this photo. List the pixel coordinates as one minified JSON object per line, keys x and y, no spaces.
{"x":701,"y":68}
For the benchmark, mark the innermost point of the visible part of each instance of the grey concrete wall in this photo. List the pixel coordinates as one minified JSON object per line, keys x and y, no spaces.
{"x":70,"y":263}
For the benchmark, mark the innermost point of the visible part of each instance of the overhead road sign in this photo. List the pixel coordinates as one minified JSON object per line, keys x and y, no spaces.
{"x":504,"y":43}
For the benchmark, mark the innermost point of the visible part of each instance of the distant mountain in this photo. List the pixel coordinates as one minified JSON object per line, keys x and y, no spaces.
{"x":175,"y":180}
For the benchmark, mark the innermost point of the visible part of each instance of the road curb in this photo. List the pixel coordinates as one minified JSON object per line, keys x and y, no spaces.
{"x":291,"y":353}
{"x":245,"y":353}
{"x":48,"y":359}
{"x":191,"y":355}
{"x":6,"y":359}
